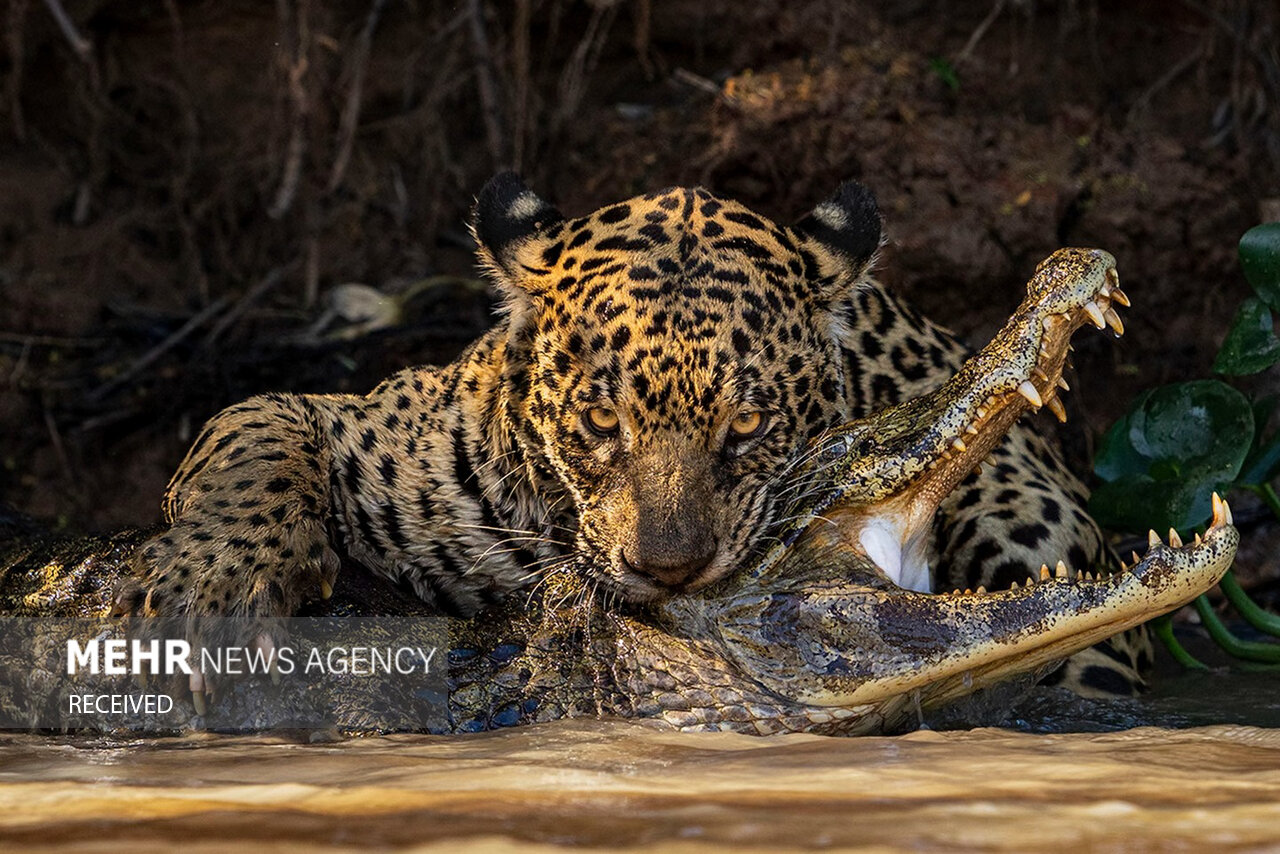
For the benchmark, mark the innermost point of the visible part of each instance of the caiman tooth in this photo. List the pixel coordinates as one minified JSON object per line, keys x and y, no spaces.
{"x":977,"y":469}
{"x":971,"y":430}
{"x":1062,"y":384}
{"x":980,"y":589}
{"x":1095,"y":314}
{"x":1227,"y":509}
{"x":1088,"y":576}
{"x":1059,"y":411}
{"x":968,"y":592}
{"x":1040,"y":375}
{"x":1198,"y":540}
{"x":1136,"y":560}
{"x":959,"y":445}
{"x":1027,"y":390}
{"x":1044,"y":572}
{"x":1219,"y":514}
{"x":1120,"y":297}
{"x":1061,"y":570}
{"x":1014,"y":585}
{"x":1174,"y":539}
{"x":1153,"y":539}
{"x":1113,"y":320}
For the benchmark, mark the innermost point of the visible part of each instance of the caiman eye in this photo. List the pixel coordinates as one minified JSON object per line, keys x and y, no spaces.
{"x":601,"y":420}
{"x":747,"y":425}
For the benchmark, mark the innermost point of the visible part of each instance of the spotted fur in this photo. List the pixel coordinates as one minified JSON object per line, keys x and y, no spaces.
{"x":680,"y":315}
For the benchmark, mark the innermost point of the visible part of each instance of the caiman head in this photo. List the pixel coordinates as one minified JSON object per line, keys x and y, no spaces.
{"x":827,"y":620}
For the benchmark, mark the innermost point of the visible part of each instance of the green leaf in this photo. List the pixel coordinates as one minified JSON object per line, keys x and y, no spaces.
{"x":1260,"y":259}
{"x":1136,"y":502}
{"x":1251,"y":344}
{"x":1263,"y":464}
{"x":946,"y":73}
{"x":1167,"y":455}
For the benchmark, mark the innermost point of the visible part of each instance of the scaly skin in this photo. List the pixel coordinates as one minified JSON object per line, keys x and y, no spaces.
{"x":813,"y":637}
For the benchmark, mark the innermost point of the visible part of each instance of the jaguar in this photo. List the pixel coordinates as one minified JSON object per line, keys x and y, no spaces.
{"x":658,"y":369}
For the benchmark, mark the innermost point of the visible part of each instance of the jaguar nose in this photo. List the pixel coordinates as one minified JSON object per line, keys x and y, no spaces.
{"x":670,"y":571}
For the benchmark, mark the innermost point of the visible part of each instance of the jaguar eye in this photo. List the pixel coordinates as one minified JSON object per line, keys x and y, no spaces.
{"x":747,"y":425}
{"x":601,"y":420}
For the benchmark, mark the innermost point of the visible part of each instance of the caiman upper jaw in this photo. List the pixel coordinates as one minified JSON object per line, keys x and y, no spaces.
{"x":888,"y":473}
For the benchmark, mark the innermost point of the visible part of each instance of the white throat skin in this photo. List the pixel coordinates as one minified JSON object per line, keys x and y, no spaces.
{"x":899,"y":553}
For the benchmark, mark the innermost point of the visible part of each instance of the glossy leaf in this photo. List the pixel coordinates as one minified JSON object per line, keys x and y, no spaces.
{"x":1137,"y":502}
{"x":1167,"y":455}
{"x":1260,"y":258}
{"x":1251,"y":344}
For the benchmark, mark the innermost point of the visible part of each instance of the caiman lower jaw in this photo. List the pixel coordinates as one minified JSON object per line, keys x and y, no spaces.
{"x":947,"y":645}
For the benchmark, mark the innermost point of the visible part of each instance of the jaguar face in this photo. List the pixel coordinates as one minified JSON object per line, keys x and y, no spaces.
{"x":667,"y":357}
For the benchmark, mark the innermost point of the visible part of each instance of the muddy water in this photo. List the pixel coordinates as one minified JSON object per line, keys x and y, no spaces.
{"x":622,"y":785}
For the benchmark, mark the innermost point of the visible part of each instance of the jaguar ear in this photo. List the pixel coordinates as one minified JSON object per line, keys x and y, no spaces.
{"x":843,"y":233}
{"x":510,"y":224}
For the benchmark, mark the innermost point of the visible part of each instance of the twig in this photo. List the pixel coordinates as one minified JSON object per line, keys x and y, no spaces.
{"x":522,"y":72}
{"x":577,"y":71}
{"x":978,"y":33}
{"x":311,"y":273}
{"x":251,"y":296}
{"x":159,"y":350}
{"x":351,"y":110}
{"x":15,"y":25}
{"x":297,"y":70}
{"x":20,"y":366}
{"x":1181,"y":67}
{"x":50,"y":340}
{"x":703,"y":84}
{"x":485,"y":82}
{"x":642,"y":37}
{"x":59,"y":450}
{"x":82,"y":46}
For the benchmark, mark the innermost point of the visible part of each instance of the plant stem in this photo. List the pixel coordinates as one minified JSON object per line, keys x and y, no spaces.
{"x":1256,"y":616}
{"x":1248,"y":650}
{"x":1267,"y":493}
{"x":1163,"y":628}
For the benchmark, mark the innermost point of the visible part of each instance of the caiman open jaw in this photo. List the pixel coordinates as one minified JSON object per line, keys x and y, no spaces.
{"x":822,"y":625}
{"x":906,"y":460}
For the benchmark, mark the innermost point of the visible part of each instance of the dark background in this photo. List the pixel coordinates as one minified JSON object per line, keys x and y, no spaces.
{"x":184,"y":186}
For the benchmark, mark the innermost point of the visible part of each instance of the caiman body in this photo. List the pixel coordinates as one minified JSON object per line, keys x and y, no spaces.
{"x":814,"y":636}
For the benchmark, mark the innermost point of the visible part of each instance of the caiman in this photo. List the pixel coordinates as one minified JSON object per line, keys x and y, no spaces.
{"x":813,"y":637}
